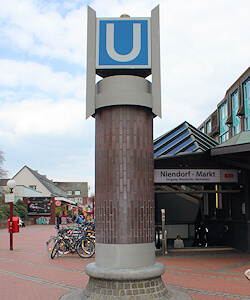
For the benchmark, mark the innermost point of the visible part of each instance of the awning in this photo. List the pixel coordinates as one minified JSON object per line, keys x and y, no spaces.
{"x":65,"y":200}
{"x":72,"y":205}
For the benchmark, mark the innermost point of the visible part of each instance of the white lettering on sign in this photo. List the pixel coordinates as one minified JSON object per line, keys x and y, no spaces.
{"x":195,"y":175}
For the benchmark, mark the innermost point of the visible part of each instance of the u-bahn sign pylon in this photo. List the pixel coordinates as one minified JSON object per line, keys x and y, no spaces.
{"x":124,"y":51}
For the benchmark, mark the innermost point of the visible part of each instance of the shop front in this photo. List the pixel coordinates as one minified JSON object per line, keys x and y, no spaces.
{"x":44,"y":210}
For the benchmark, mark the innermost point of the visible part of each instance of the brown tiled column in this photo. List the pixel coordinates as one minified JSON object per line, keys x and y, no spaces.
{"x":124,"y":199}
{"x":125,"y":251}
{"x":124,"y":175}
{"x":124,"y":184}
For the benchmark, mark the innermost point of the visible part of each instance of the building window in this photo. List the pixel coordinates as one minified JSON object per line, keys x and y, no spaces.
{"x":246,"y":91}
{"x":202,"y":129}
{"x":78,"y":200}
{"x":69,"y":193}
{"x":209,"y":127}
{"x":33,"y":187}
{"x":77,"y":193}
{"x":224,"y":131}
{"x":236,"y":120}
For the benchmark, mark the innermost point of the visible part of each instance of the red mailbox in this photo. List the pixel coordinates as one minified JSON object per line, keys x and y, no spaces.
{"x":15,"y":224}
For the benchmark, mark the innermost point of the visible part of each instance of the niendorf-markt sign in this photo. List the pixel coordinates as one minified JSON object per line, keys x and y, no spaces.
{"x":195,"y":175}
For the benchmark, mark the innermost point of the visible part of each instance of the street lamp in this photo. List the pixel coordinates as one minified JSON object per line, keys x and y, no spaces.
{"x":11,"y":184}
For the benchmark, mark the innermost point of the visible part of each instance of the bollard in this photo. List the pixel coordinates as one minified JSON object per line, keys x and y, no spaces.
{"x":165,"y":242}
{"x":163,"y":229}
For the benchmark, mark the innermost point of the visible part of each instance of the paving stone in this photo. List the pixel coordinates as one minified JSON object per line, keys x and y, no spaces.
{"x":203,"y":274}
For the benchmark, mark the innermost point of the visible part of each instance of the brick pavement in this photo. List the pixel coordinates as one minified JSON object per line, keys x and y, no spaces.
{"x":28,"y":272}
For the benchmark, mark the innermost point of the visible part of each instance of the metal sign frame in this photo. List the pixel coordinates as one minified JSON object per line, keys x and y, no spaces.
{"x":155,"y":70}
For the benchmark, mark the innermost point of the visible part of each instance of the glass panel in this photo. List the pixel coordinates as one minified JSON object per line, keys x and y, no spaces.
{"x":246,"y":89}
{"x":189,"y":140}
{"x":168,"y":145}
{"x":236,"y":120}
{"x":79,"y":200}
{"x":224,"y":137}
{"x":157,"y":144}
{"x":208,"y":126}
{"x":190,"y":149}
{"x":224,"y":131}
{"x":32,"y":187}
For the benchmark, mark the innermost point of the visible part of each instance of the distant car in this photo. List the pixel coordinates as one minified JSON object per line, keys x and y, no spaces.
{"x":21,"y":223}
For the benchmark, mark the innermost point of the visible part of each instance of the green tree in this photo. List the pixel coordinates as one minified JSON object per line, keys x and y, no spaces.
{"x":20,"y":209}
{"x":4,"y":211}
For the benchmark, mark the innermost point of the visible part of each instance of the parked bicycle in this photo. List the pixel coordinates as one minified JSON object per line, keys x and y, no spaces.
{"x":80,"y":239}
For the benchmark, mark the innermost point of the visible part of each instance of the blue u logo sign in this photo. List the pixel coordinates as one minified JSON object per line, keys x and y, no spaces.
{"x":110,"y":41}
{"x":123,"y":43}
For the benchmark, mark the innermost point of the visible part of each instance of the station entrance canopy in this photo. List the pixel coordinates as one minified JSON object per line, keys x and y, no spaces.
{"x":186,"y":156}
{"x":189,"y":164}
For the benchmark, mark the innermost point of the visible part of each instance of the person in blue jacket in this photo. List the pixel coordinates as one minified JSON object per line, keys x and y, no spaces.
{"x":78,"y":219}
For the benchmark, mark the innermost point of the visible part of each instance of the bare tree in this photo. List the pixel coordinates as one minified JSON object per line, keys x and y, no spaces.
{"x":3,"y":174}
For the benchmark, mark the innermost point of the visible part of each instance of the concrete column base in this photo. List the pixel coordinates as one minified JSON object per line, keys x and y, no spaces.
{"x":124,"y":289}
{"x":125,"y":284}
{"x":148,"y":289}
{"x":143,"y":273}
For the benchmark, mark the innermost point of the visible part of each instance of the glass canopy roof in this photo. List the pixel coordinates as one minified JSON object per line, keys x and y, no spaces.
{"x":184,"y":138}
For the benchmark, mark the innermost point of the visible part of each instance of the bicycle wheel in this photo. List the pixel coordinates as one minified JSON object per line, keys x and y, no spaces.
{"x":85,"y":248}
{"x":55,"y":249}
{"x":63,"y":248}
{"x":50,"y":244}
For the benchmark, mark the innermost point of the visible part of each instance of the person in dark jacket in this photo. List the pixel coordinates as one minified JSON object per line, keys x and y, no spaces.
{"x":58,"y":221}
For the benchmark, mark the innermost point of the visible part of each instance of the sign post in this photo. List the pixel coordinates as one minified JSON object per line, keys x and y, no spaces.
{"x":11,"y":198}
{"x":11,"y":225}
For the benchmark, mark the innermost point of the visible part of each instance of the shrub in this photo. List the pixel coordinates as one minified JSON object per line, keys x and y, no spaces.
{"x":19,"y":210}
{"x":4,"y":211}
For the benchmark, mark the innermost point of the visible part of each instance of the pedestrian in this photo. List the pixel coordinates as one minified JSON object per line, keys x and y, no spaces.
{"x":202,"y":235}
{"x":58,"y":221}
{"x":178,"y":243}
{"x":79,"y":219}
